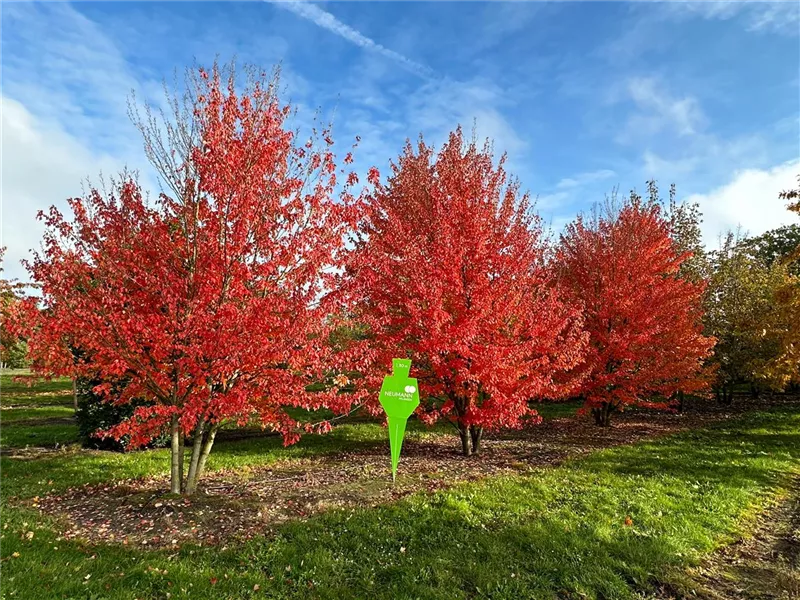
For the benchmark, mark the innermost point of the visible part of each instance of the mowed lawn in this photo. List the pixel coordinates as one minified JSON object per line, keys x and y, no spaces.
{"x":40,"y":415}
{"x":604,"y":526}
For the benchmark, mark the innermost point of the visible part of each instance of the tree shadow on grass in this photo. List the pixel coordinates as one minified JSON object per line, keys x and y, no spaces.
{"x":736,"y":457}
{"x":446,"y":554}
{"x":603,"y":527}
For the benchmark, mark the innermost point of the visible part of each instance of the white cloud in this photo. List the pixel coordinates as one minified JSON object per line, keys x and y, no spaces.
{"x":781,"y":16}
{"x":569,"y":190}
{"x":438,"y":107}
{"x":706,"y":160}
{"x":64,"y":117}
{"x":326,"y":20}
{"x":657,"y":167}
{"x":499,"y":20}
{"x":657,"y":110}
{"x":749,"y":200}
{"x":550,"y":202}
{"x":65,"y":69}
{"x":42,"y":166}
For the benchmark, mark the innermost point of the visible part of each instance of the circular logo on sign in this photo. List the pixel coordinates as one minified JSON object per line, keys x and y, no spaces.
{"x":410,"y":389}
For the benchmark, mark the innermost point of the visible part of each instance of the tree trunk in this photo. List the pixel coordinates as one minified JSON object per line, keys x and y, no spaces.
{"x":207,"y":444}
{"x":181,"y":455}
{"x":200,"y":451}
{"x":725,"y":396}
{"x":754,"y":390}
{"x":681,"y":401}
{"x":602,"y":415}
{"x":476,"y":433}
{"x":197,"y":446}
{"x":466,"y":442}
{"x":176,"y":476}
{"x":75,"y":393}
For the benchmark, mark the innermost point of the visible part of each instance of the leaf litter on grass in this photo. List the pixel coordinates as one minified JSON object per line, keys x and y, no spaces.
{"x":246,"y":502}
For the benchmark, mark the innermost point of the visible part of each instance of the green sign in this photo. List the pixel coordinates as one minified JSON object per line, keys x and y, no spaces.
{"x":399,"y":397}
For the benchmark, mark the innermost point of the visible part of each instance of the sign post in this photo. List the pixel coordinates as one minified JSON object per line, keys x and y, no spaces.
{"x":399,"y":397}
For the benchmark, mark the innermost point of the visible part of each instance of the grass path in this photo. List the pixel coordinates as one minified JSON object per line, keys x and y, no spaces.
{"x":762,"y":566}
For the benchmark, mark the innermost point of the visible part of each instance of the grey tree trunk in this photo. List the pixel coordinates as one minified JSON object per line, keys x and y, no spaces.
{"x":176,"y":475}
{"x":208,"y":442}
{"x":725,"y":396}
{"x":471,"y":436}
{"x":181,"y":453}
{"x":197,"y":446}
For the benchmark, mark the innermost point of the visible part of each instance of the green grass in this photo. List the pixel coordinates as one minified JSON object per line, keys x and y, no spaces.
{"x":26,"y":410}
{"x":57,"y":391}
{"x":23,"y":435}
{"x":8,"y":385}
{"x":25,"y":478}
{"x":559,"y":532}
{"x":15,"y":415}
{"x":558,"y":410}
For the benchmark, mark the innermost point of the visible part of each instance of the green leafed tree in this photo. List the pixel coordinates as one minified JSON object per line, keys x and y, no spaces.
{"x":740,"y":311}
{"x":684,"y":223}
{"x":775,"y":245}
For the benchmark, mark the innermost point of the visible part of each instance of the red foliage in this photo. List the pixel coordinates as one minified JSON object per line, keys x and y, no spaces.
{"x":449,"y":271}
{"x":643,"y":319}
{"x":209,"y":304}
{"x":11,"y":307}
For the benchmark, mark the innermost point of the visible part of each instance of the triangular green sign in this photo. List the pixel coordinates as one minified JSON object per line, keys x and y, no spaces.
{"x":399,"y":397}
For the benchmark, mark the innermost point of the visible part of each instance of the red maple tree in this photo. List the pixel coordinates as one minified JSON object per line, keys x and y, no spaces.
{"x":644,"y":319}
{"x":448,"y":270}
{"x":11,"y":294}
{"x":210,"y":302}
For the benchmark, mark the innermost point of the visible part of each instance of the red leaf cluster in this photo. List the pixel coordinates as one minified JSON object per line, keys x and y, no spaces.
{"x":643,"y":319}
{"x":449,"y":271}
{"x":209,"y":303}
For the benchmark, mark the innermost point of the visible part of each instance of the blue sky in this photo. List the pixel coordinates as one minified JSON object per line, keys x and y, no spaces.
{"x":582,"y":96}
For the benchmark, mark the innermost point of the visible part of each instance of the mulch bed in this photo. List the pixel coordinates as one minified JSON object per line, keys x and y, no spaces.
{"x":249,"y":502}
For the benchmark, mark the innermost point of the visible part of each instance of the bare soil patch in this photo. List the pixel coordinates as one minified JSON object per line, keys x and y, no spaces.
{"x":248,"y":502}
